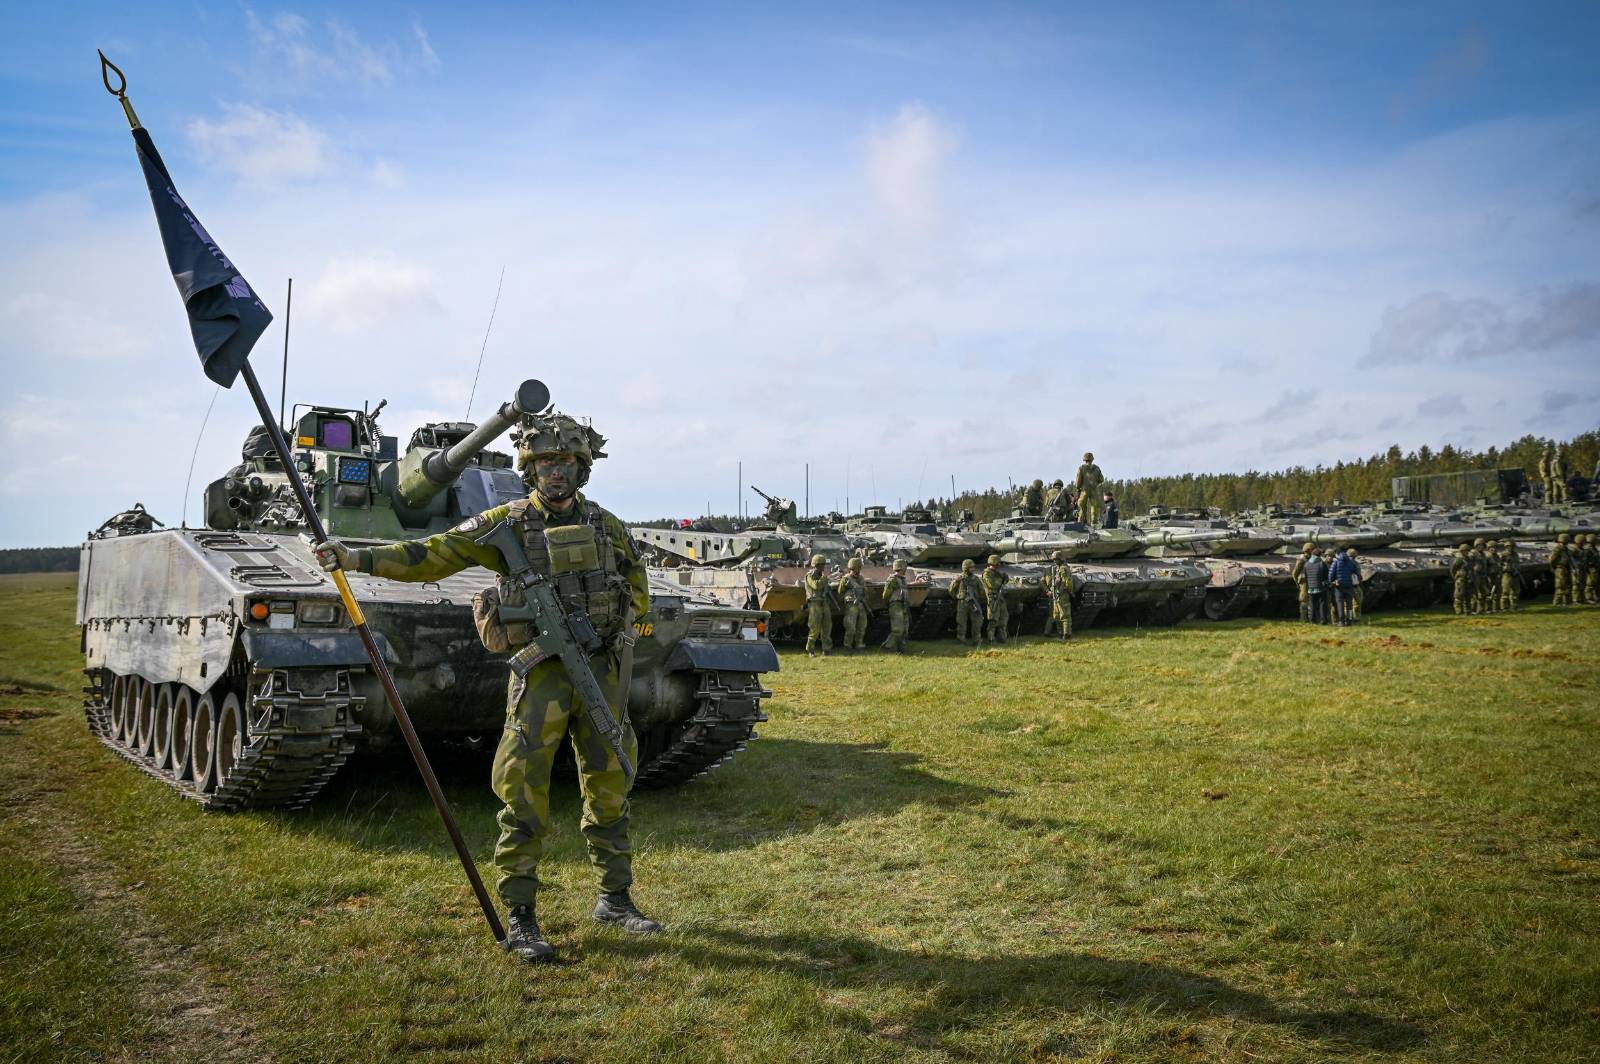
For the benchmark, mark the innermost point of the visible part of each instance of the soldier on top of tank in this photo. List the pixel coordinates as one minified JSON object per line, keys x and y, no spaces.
{"x":1088,"y":485}
{"x":586,"y":553}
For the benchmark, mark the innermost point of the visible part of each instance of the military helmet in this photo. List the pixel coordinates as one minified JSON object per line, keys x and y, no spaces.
{"x":994,"y":559}
{"x":1038,"y":483}
{"x":1562,"y":538}
{"x":1480,"y":541}
{"x":1088,"y":456}
{"x":556,"y":434}
{"x":1057,"y":483}
{"x":817,"y":559}
{"x":1350,"y":551}
{"x":967,"y":565}
{"x":1060,"y":555}
{"x":1465,"y":547}
{"x":899,"y":565}
{"x":1307,"y":549}
{"x":854,"y":565}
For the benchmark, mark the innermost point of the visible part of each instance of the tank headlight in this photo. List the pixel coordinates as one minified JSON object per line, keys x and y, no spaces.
{"x":725,"y":626}
{"x":319,"y":613}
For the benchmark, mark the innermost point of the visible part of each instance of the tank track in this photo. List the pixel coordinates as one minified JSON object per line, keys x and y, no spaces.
{"x":932,"y":619}
{"x":730,"y":709}
{"x":298,"y":739}
{"x":1234,"y":602}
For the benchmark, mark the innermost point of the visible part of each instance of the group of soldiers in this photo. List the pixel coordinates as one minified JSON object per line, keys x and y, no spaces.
{"x":982,"y":613}
{"x":1328,"y":583}
{"x":1060,"y":502}
{"x":1485,"y":577}
{"x":1575,"y":570}
{"x":1553,"y":472}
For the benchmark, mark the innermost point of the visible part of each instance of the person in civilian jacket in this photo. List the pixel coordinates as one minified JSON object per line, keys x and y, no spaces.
{"x":1344,"y":574}
{"x":1316,"y":577}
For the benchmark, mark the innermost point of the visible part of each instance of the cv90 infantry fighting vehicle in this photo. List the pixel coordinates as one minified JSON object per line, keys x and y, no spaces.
{"x":764,"y":565}
{"x":220,"y":659}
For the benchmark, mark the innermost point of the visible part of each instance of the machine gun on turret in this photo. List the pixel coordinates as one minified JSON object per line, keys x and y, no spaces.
{"x":780,"y":511}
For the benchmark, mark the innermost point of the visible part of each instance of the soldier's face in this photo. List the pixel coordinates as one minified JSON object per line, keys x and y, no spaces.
{"x":556,"y":476}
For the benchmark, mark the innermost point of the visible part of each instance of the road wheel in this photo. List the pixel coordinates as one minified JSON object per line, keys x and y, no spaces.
{"x":202,"y":744}
{"x":230,"y":737}
{"x":143,"y":739}
{"x":180,"y":732}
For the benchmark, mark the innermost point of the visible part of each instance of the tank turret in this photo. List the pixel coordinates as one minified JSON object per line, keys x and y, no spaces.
{"x":425,"y":472}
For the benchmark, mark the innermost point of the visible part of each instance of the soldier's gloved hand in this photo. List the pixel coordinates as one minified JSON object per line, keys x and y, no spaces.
{"x":333,"y":555}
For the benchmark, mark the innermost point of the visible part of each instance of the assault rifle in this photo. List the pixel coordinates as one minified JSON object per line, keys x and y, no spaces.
{"x":568,"y":637}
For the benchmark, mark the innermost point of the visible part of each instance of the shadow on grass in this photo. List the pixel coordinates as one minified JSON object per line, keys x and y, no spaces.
{"x":777,"y":787}
{"x":955,"y":993}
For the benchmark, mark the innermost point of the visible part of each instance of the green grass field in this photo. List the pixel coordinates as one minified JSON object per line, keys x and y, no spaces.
{"x":1249,"y":841}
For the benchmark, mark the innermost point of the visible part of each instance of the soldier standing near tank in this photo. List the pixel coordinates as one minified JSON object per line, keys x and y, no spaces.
{"x":1561,"y":571}
{"x":994,"y":590}
{"x":1491,"y":578}
{"x":1480,"y":577}
{"x":1510,"y":575}
{"x":1298,"y":575}
{"x":596,"y":573}
{"x":1461,"y":579}
{"x":967,"y":590}
{"x":897,"y":596}
{"x":1060,"y":506}
{"x":1558,"y":473}
{"x":1033,"y":499}
{"x":1088,"y":485}
{"x":1591,"y":586}
{"x":1547,"y":456}
{"x":1358,"y":591}
{"x":819,"y":608}
{"x":853,"y":594}
{"x":1579,"y":562}
{"x":1059,"y":586}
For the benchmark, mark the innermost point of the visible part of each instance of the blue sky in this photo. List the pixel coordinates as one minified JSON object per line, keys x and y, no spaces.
{"x":898,"y":242}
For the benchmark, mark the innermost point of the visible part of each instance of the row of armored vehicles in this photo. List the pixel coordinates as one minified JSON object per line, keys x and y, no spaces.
{"x":1159,"y":569}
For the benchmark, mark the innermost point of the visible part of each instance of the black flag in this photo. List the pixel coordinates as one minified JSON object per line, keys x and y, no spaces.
{"x":224,"y":314}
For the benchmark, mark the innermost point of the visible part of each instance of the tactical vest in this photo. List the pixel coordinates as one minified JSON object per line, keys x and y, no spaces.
{"x":580,"y":559}
{"x":854,"y":589}
{"x":896,"y":591}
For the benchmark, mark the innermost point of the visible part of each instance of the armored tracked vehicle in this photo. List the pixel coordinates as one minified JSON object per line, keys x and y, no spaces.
{"x":220,"y":660}
{"x":1115,"y":578}
{"x":1248,"y":572}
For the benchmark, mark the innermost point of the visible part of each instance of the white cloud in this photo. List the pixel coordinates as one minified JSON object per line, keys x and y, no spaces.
{"x":906,"y":162}
{"x":362,"y":292}
{"x":262,"y":147}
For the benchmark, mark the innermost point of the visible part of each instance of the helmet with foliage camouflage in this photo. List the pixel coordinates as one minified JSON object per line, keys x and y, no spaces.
{"x":817,"y":559}
{"x":899,"y":565}
{"x":854,"y":565}
{"x":994,"y":559}
{"x":967,"y":565}
{"x":1060,"y":555}
{"x":557,"y":433}
{"x":1562,"y":538}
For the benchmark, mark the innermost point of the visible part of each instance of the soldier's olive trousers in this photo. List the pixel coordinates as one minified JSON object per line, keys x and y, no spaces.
{"x":855,"y":625}
{"x":1508,"y":593}
{"x":819,"y":625}
{"x":1591,"y":587}
{"x":1563,"y":582}
{"x":969,"y":622}
{"x":1357,"y":598}
{"x":1061,"y":617}
{"x":1088,"y":509}
{"x":1305,"y":603}
{"x":546,"y":708}
{"x":899,"y":625}
{"x":999,"y":619}
{"x":1460,"y":595}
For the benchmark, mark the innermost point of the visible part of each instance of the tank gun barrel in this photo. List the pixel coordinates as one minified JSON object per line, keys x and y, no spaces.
{"x":1167,"y":537}
{"x":1019,"y":545}
{"x":763,"y":494}
{"x":422,"y":480}
{"x":1342,"y":537}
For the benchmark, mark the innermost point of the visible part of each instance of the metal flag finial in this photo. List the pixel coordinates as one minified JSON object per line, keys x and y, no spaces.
{"x":107,"y":68}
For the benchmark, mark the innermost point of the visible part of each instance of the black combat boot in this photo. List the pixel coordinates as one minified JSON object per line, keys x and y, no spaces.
{"x":524,"y":938}
{"x":618,"y":908}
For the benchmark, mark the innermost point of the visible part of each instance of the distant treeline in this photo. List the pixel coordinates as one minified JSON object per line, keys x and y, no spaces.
{"x":39,"y":560}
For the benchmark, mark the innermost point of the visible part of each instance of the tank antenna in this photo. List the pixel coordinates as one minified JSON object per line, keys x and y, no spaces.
{"x":283,"y":385}
{"x":184,"y":520}
{"x":474,"y":393}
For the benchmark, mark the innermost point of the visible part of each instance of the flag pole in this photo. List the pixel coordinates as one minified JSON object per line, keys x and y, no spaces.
{"x":358,"y":619}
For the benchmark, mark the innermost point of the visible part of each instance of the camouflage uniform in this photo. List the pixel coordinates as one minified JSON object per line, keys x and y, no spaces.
{"x":1491,"y":590}
{"x":542,"y":706}
{"x":967,"y":590}
{"x":1298,"y":575}
{"x":1558,"y":474}
{"x":1579,"y":562}
{"x":1033,"y":499}
{"x":1591,"y":585}
{"x":1510,"y":575}
{"x":1358,"y":593}
{"x":1461,"y":579}
{"x":1480,"y":578}
{"x":819,"y":610}
{"x":1545,"y":458}
{"x":994,"y":590}
{"x":1060,"y":505}
{"x":1059,"y":585}
{"x":1561,"y":572}
{"x":1088,"y":485}
{"x":897,"y":596}
{"x":853,"y":594}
